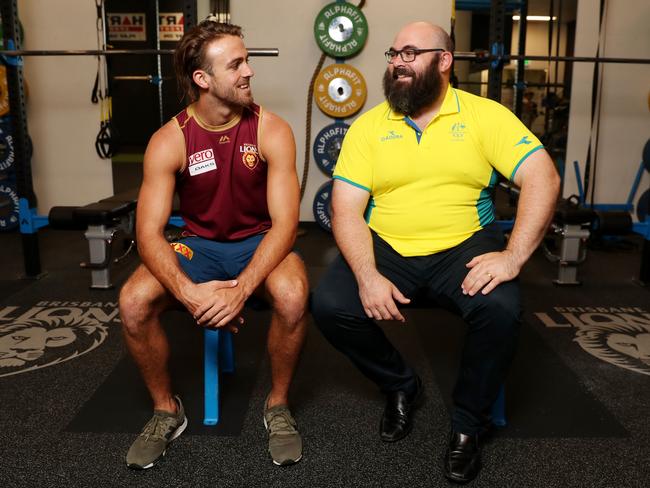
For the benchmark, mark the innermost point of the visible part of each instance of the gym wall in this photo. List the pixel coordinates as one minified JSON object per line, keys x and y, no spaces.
{"x":625,"y":115}
{"x":281,"y":83}
{"x":61,"y":119}
{"x":63,"y":123}
{"x":537,"y":45}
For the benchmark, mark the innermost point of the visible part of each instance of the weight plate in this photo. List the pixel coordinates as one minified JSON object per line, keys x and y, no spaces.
{"x":323,"y":206}
{"x":9,"y":216}
{"x":340,"y":90}
{"x":643,"y":206}
{"x":327,"y":146}
{"x":340,"y":29}
{"x":7,"y":155}
{"x":646,"y":156}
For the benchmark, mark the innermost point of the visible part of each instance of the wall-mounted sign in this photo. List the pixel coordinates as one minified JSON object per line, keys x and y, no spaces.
{"x":126,"y":27}
{"x":171,"y":26}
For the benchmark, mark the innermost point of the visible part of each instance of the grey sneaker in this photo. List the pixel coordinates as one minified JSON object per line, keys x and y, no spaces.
{"x":151,"y":444}
{"x":285,"y":443}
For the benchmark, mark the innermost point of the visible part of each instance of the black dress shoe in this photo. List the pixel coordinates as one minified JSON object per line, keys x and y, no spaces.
{"x":397,"y":421}
{"x":462,"y":460}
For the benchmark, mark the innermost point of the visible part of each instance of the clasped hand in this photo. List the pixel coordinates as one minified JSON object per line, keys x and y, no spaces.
{"x":489,"y":270}
{"x":217,"y":303}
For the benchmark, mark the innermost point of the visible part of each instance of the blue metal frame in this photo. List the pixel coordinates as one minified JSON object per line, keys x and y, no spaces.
{"x":485,"y":5}
{"x":30,"y":221}
{"x":218,"y":355}
{"x":581,"y":191}
{"x":635,"y":185}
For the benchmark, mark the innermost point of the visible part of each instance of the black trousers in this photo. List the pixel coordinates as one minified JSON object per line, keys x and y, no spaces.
{"x":493,"y":322}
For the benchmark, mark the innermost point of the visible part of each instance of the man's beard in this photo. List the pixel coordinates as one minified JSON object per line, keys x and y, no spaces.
{"x":233,"y":96}
{"x":409,"y":98}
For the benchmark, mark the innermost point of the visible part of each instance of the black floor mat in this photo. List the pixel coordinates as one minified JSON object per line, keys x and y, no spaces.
{"x":544,"y":398}
{"x":122,"y":403}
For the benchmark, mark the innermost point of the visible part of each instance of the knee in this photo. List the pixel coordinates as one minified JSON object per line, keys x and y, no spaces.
{"x":136,"y":307}
{"x":501,"y":312}
{"x":289,"y":295}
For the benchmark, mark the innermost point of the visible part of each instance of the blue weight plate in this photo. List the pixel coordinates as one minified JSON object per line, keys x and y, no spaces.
{"x":327,"y":146}
{"x":323,"y":205}
{"x":9,"y":216}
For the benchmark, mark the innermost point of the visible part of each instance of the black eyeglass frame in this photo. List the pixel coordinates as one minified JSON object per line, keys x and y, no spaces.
{"x":391,"y":54}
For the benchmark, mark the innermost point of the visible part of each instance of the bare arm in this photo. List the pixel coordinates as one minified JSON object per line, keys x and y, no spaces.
{"x":540,"y":185}
{"x":283,"y":200}
{"x":162,"y":160}
{"x":353,"y":237}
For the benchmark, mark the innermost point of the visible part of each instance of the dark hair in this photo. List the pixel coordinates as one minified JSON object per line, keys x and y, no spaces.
{"x":190,"y":53}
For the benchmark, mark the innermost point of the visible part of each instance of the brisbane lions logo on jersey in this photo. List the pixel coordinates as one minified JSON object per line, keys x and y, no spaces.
{"x":250,"y":157}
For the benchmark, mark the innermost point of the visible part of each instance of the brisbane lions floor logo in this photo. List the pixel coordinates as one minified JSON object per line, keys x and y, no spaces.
{"x":34,"y":343}
{"x":617,"y":335}
{"x":624,"y":345}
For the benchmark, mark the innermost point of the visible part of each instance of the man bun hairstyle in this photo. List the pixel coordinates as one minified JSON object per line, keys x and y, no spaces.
{"x":190,"y":53}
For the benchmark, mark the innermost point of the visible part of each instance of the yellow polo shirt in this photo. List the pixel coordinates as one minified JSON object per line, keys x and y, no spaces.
{"x":431,"y":188}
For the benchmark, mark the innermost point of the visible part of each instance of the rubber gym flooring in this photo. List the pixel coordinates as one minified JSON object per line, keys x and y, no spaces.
{"x":577,"y":400}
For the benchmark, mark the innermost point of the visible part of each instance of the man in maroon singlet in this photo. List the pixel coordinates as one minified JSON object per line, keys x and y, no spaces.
{"x":233,"y":167}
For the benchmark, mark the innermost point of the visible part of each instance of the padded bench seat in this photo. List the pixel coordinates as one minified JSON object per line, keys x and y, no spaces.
{"x":103,"y":212}
{"x":573,"y":215}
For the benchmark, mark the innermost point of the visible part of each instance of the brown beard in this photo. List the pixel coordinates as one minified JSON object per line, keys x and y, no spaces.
{"x":229,"y":96}
{"x":409,"y":98}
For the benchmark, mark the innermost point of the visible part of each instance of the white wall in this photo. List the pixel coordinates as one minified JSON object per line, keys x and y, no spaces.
{"x":625,"y":116}
{"x":61,"y":119}
{"x":281,"y":84}
{"x":463,"y":34}
{"x":537,"y":45}
{"x":63,"y":123}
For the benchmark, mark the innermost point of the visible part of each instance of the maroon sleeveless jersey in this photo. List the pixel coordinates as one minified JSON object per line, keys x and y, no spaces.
{"x":222,"y":188}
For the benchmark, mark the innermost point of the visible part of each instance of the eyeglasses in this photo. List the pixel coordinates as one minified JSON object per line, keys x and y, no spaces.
{"x":408,"y":55}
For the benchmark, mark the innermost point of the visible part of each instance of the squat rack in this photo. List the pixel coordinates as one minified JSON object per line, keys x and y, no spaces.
{"x":8,"y":9}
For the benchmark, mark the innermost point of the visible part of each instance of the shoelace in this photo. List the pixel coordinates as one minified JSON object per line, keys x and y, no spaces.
{"x":158,"y":427}
{"x":280,"y":423}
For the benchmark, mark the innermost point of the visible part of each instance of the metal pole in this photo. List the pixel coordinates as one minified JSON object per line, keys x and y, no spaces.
{"x":485,"y":56}
{"x":254,"y":51}
{"x":520,"y":76}
{"x":269,"y":52}
{"x":24,"y":184}
{"x":557,"y":39}
{"x":547,"y":111}
{"x":158,"y":66}
{"x":497,"y":28}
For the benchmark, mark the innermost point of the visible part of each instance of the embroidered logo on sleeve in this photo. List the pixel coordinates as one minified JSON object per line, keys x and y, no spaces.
{"x":202,"y":162}
{"x":524,"y":140}
{"x":182,"y":249}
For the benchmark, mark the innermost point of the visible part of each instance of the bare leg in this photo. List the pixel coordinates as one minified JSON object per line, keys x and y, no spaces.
{"x":142,"y":300}
{"x":288,"y":290}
